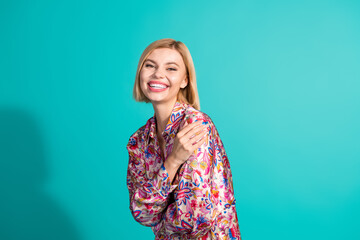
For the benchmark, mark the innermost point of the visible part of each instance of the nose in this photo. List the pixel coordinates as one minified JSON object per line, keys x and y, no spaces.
{"x":159,"y":73}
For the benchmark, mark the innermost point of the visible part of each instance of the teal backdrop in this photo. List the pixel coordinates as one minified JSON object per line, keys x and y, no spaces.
{"x":280,"y":79}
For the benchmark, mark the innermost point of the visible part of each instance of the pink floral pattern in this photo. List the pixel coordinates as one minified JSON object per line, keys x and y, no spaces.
{"x":199,"y":203}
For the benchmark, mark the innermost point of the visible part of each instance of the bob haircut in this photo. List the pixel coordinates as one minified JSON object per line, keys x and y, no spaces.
{"x":188,"y":94}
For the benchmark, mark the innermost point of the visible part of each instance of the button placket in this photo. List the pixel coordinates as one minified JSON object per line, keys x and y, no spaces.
{"x":166,"y":139}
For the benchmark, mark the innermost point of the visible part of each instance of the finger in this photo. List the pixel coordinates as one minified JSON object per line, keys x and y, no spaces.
{"x":200,"y":142}
{"x":198,"y":131}
{"x":196,"y":139}
{"x":195,"y":130}
{"x":187,"y":128}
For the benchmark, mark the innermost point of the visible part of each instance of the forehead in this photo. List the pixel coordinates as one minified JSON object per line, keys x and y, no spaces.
{"x":164,"y":55}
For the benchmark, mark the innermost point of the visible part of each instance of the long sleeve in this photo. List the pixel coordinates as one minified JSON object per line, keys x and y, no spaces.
{"x":148,"y":196}
{"x":193,"y":213}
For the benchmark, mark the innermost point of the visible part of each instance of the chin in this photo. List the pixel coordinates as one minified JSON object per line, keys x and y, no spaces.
{"x":159,"y":99}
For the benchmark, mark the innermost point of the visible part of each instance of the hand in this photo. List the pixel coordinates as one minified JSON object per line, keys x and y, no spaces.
{"x":186,"y":141}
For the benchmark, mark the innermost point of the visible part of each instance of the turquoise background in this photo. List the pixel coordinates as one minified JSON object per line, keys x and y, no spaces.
{"x":280,"y":79}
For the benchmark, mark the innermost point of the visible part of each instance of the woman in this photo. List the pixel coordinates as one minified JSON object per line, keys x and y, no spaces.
{"x":179,"y":177}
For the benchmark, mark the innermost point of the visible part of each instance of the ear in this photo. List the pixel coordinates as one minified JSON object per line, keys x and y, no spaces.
{"x":185,"y":82}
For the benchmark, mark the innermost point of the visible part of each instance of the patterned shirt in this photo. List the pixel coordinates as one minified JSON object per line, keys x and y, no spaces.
{"x":199,"y":203}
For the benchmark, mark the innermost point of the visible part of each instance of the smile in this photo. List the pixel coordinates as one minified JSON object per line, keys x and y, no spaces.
{"x":157,"y":87}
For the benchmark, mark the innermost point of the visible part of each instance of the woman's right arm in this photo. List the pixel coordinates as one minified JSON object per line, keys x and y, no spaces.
{"x":148,"y":197}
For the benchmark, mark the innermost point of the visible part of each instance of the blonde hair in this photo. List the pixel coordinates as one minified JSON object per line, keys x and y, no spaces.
{"x":189,"y":94}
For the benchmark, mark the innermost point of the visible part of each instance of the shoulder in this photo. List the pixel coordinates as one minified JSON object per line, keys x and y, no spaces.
{"x":138,"y":136}
{"x":193,"y":115}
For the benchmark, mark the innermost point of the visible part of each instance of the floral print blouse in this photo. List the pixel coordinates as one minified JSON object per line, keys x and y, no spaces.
{"x":199,"y":203}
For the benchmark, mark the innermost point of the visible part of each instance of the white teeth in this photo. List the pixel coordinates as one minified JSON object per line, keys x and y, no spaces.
{"x":157,"y":86}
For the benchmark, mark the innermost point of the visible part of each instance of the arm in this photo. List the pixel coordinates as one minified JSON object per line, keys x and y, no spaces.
{"x":148,"y":197}
{"x":193,"y":212}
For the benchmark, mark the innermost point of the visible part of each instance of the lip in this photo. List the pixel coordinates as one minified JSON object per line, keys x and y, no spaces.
{"x":158,"y":82}
{"x":157,"y":89}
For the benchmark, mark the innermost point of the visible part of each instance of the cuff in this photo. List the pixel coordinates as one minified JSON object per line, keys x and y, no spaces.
{"x":164,"y":185}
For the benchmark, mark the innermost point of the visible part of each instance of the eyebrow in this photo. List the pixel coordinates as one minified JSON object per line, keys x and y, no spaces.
{"x":165,"y":63}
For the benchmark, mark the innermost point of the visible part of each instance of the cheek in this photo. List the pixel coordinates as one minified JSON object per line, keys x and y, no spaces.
{"x":143,"y":76}
{"x":175,"y":80}
{"x":143,"y":81}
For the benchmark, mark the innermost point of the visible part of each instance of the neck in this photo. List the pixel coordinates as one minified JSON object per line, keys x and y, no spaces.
{"x":162,"y":114}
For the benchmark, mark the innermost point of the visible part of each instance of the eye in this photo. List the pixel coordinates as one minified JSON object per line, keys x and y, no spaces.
{"x":172,"y":69}
{"x":148,"y":65}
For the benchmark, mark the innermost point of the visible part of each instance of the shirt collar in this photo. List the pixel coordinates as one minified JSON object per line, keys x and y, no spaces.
{"x":173,"y":122}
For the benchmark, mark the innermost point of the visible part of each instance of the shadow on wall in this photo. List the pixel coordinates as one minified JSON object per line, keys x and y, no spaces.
{"x":26,"y":211}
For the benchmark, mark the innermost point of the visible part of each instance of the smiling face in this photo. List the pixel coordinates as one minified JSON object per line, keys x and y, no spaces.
{"x":162,"y":75}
